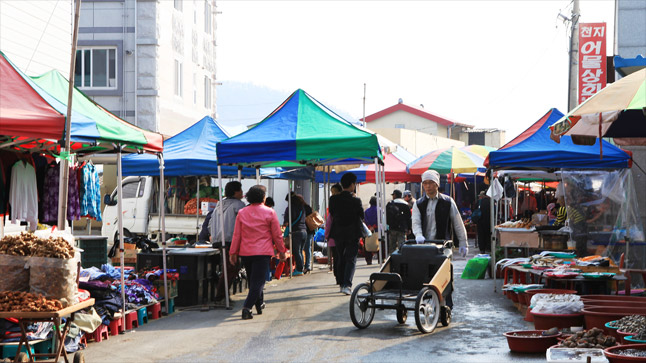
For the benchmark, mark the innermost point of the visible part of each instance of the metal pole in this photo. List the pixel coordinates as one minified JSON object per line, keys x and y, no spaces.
{"x":257,"y":175}
{"x":64,"y":166}
{"x":120,"y":224}
{"x":240,"y":173}
{"x":291,"y":231}
{"x":574,"y":59}
{"x":197,"y":208}
{"x":493,"y":232}
{"x":380,"y":228}
{"x":222,"y":249}
{"x":383,"y":203}
{"x":364,"y":106}
{"x":162,"y":224}
{"x":326,"y":195}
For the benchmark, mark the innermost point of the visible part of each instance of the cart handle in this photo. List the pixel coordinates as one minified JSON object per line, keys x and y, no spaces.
{"x":445,"y":243}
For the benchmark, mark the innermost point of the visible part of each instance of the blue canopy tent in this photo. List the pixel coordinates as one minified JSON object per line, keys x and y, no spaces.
{"x":533,"y":149}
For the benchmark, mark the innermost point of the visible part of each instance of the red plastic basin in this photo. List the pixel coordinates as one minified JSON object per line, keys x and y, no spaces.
{"x":531,"y":293}
{"x":523,"y":298}
{"x":599,"y":316}
{"x":528,"y":315}
{"x":561,"y":321}
{"x":614,"y":303}
{"x":613,"y":298}
{"x":621,"y":335}
{"x":513,"y":296}
{"x":526,"y":343}
{"x":616,"y":358}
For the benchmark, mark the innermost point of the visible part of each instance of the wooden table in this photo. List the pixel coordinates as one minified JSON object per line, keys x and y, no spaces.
{"x":28,"y":317}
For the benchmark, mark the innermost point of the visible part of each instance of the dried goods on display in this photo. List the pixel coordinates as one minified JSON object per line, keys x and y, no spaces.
{"x":18,"y":301}
{"x":630,"y":324}
{"x":524,"y":223}
{"x":27,"y":244}
{"x":593,"y":338}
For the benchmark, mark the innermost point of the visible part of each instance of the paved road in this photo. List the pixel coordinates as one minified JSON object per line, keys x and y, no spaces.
{"x":307,"y":319}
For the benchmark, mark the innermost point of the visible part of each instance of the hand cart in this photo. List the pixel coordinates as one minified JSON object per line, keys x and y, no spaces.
{"x":419,"y":274}
{"x":26,"y":318}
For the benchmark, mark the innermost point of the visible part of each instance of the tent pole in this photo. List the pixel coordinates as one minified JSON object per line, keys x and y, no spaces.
{"x":291,"y":232}
{"x":257,"y":175}
{"x":379,"y":208}
{"x":493,"y":233}
{"x":326,"y":194}
{"x":120,"y":224}
{"x":240,"y":173}
{"x":162,"y":224}
{"x":383,"y":202}
{"x":65,"y":149}
{"x":197,"y":209}
{"x":222,"y":249}
{"x":313,"y":185}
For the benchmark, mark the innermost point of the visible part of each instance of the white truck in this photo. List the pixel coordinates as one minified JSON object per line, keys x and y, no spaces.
{"x":141,"y":214}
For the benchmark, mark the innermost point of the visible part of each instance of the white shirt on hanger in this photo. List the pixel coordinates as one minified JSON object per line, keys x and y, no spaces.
{"x":23,"y":193}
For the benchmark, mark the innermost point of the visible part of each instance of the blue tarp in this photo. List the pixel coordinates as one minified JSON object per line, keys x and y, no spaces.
{"x":626,"y":66}
{"x":192,"y":152}
{"x":534,"y":149}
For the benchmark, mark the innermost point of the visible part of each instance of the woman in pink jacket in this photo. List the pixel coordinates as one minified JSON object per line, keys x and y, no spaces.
{"x":256,"y":233}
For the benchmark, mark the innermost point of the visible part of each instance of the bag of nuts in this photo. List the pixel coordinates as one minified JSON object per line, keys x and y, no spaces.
{"x":54,"y":278}
{"x":14,"y":272}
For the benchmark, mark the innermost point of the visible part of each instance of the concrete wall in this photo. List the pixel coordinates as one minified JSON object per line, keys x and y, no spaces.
{"x":401,"y":119}
{"x":37,"y":35}
{"x":416,"y":142}
{"x":631,"y":28}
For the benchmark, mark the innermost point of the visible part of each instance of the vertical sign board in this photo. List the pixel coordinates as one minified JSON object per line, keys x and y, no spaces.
{"x":592,"y":59}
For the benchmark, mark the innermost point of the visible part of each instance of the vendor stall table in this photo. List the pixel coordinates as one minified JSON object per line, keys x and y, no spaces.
{"x":584,"y":286}
{"x":26,"y":318}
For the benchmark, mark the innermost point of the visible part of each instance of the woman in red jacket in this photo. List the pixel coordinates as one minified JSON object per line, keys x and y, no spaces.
{"x":256,"y":233}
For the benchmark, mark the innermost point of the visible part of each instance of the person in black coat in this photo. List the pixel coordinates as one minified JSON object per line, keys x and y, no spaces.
{"x":347,"y":215}
{"x":484,"y":223}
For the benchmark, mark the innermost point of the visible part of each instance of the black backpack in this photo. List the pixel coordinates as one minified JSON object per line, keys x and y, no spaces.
{"x":396,"y":216}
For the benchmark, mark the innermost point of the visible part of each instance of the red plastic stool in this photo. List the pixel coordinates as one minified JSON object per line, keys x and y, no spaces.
{"x":154,"y":311}
{"x":84,"y":339}
{"x":131,"y":320}
{"x":116,"y":327}
{"x":99,"y":334}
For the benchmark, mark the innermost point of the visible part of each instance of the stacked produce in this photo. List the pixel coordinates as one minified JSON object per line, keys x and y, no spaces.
{"x":630,"y":324}
{"x":524,"y":223}
{"x":593,"y":338}
{"x":26,"y":302}
{"x":27,"y":244}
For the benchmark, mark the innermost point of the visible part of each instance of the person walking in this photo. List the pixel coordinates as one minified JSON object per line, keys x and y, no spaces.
{"x":434,"y":214}
{"x":398,"y":218}
{"x":334,"y":190}
{"x":371,"y":223}
{"x":298,"y":230}
{"x":408,"y":197}
{"x":230,"y":205}
{"x":484,"y":223}
{"x":347,"y":214}
{"x":256,"y":234}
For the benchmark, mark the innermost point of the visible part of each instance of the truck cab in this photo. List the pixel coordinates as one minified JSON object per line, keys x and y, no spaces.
{"x":137,"y":198}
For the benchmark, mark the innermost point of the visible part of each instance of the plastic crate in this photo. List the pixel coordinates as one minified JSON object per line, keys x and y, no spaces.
{"x":95,"y":250}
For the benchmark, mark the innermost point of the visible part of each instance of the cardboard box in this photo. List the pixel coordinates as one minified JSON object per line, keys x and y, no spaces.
{"x":172,"y":288}
{"x":129,"y":257}
{"x":518,"y":239}
{"x":206,"y":207}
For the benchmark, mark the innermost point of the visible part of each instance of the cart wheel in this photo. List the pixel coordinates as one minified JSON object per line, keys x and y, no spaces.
{"x":402,"y":314}
{"x":427,"y":310}
{"x":362,"y":310}
{"x":79,"y":357}
{"x":445,"y":315}
{"x":23,"y":357}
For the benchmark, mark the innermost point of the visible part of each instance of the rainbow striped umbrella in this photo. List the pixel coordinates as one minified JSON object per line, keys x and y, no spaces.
{"x":445,"y":161}
{"x":480,"y":150}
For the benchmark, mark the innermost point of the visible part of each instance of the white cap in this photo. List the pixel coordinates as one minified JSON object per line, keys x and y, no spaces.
{"x":431,"y":175}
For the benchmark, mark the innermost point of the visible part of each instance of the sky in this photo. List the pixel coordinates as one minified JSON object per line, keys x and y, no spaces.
{"x":491,"y":64}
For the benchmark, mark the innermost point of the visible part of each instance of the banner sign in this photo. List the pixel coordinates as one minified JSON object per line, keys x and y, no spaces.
{"x":592,"y":59}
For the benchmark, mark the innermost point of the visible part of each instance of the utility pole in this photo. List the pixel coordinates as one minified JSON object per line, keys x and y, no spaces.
{"x":574,"y":57}
{"x":364,"y":106}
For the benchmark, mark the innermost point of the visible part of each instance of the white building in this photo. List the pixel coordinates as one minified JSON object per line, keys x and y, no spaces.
{"x":151,"y":62}
{"x":37,"y":35}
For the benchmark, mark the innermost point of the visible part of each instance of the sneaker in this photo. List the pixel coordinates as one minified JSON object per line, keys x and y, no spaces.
{"x":297,"y":273}
{"x":346,"y":290}
{"x":246,"y":314}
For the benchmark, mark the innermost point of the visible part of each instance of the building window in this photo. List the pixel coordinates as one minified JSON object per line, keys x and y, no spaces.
{"x":207,"y":92}
{"x":207,"y":17}
{"x":400,"y":126}
{"x":178,"y":78}
{"x":194,"y":89}
{"x":178,"y":4}
{"x":96,"y":68}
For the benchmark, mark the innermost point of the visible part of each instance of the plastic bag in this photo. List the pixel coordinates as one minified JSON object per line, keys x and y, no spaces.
{"x":476,"y":268}
{"x":556,"y":304}
{"x":15,"y":273}
{"x":54,"y":278}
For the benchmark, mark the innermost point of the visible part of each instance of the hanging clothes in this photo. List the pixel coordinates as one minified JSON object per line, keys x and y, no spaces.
{"x":3,"y":189}
{"x":23,"y":193}
{"x":91,"y":192}
{"x":50,"y":196}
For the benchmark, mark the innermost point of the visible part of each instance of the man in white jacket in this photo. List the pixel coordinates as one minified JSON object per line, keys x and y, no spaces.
{"x":434,"y":214}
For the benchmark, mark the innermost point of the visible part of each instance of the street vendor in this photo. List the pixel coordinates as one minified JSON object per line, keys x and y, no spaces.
{"x":435,"y":214}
